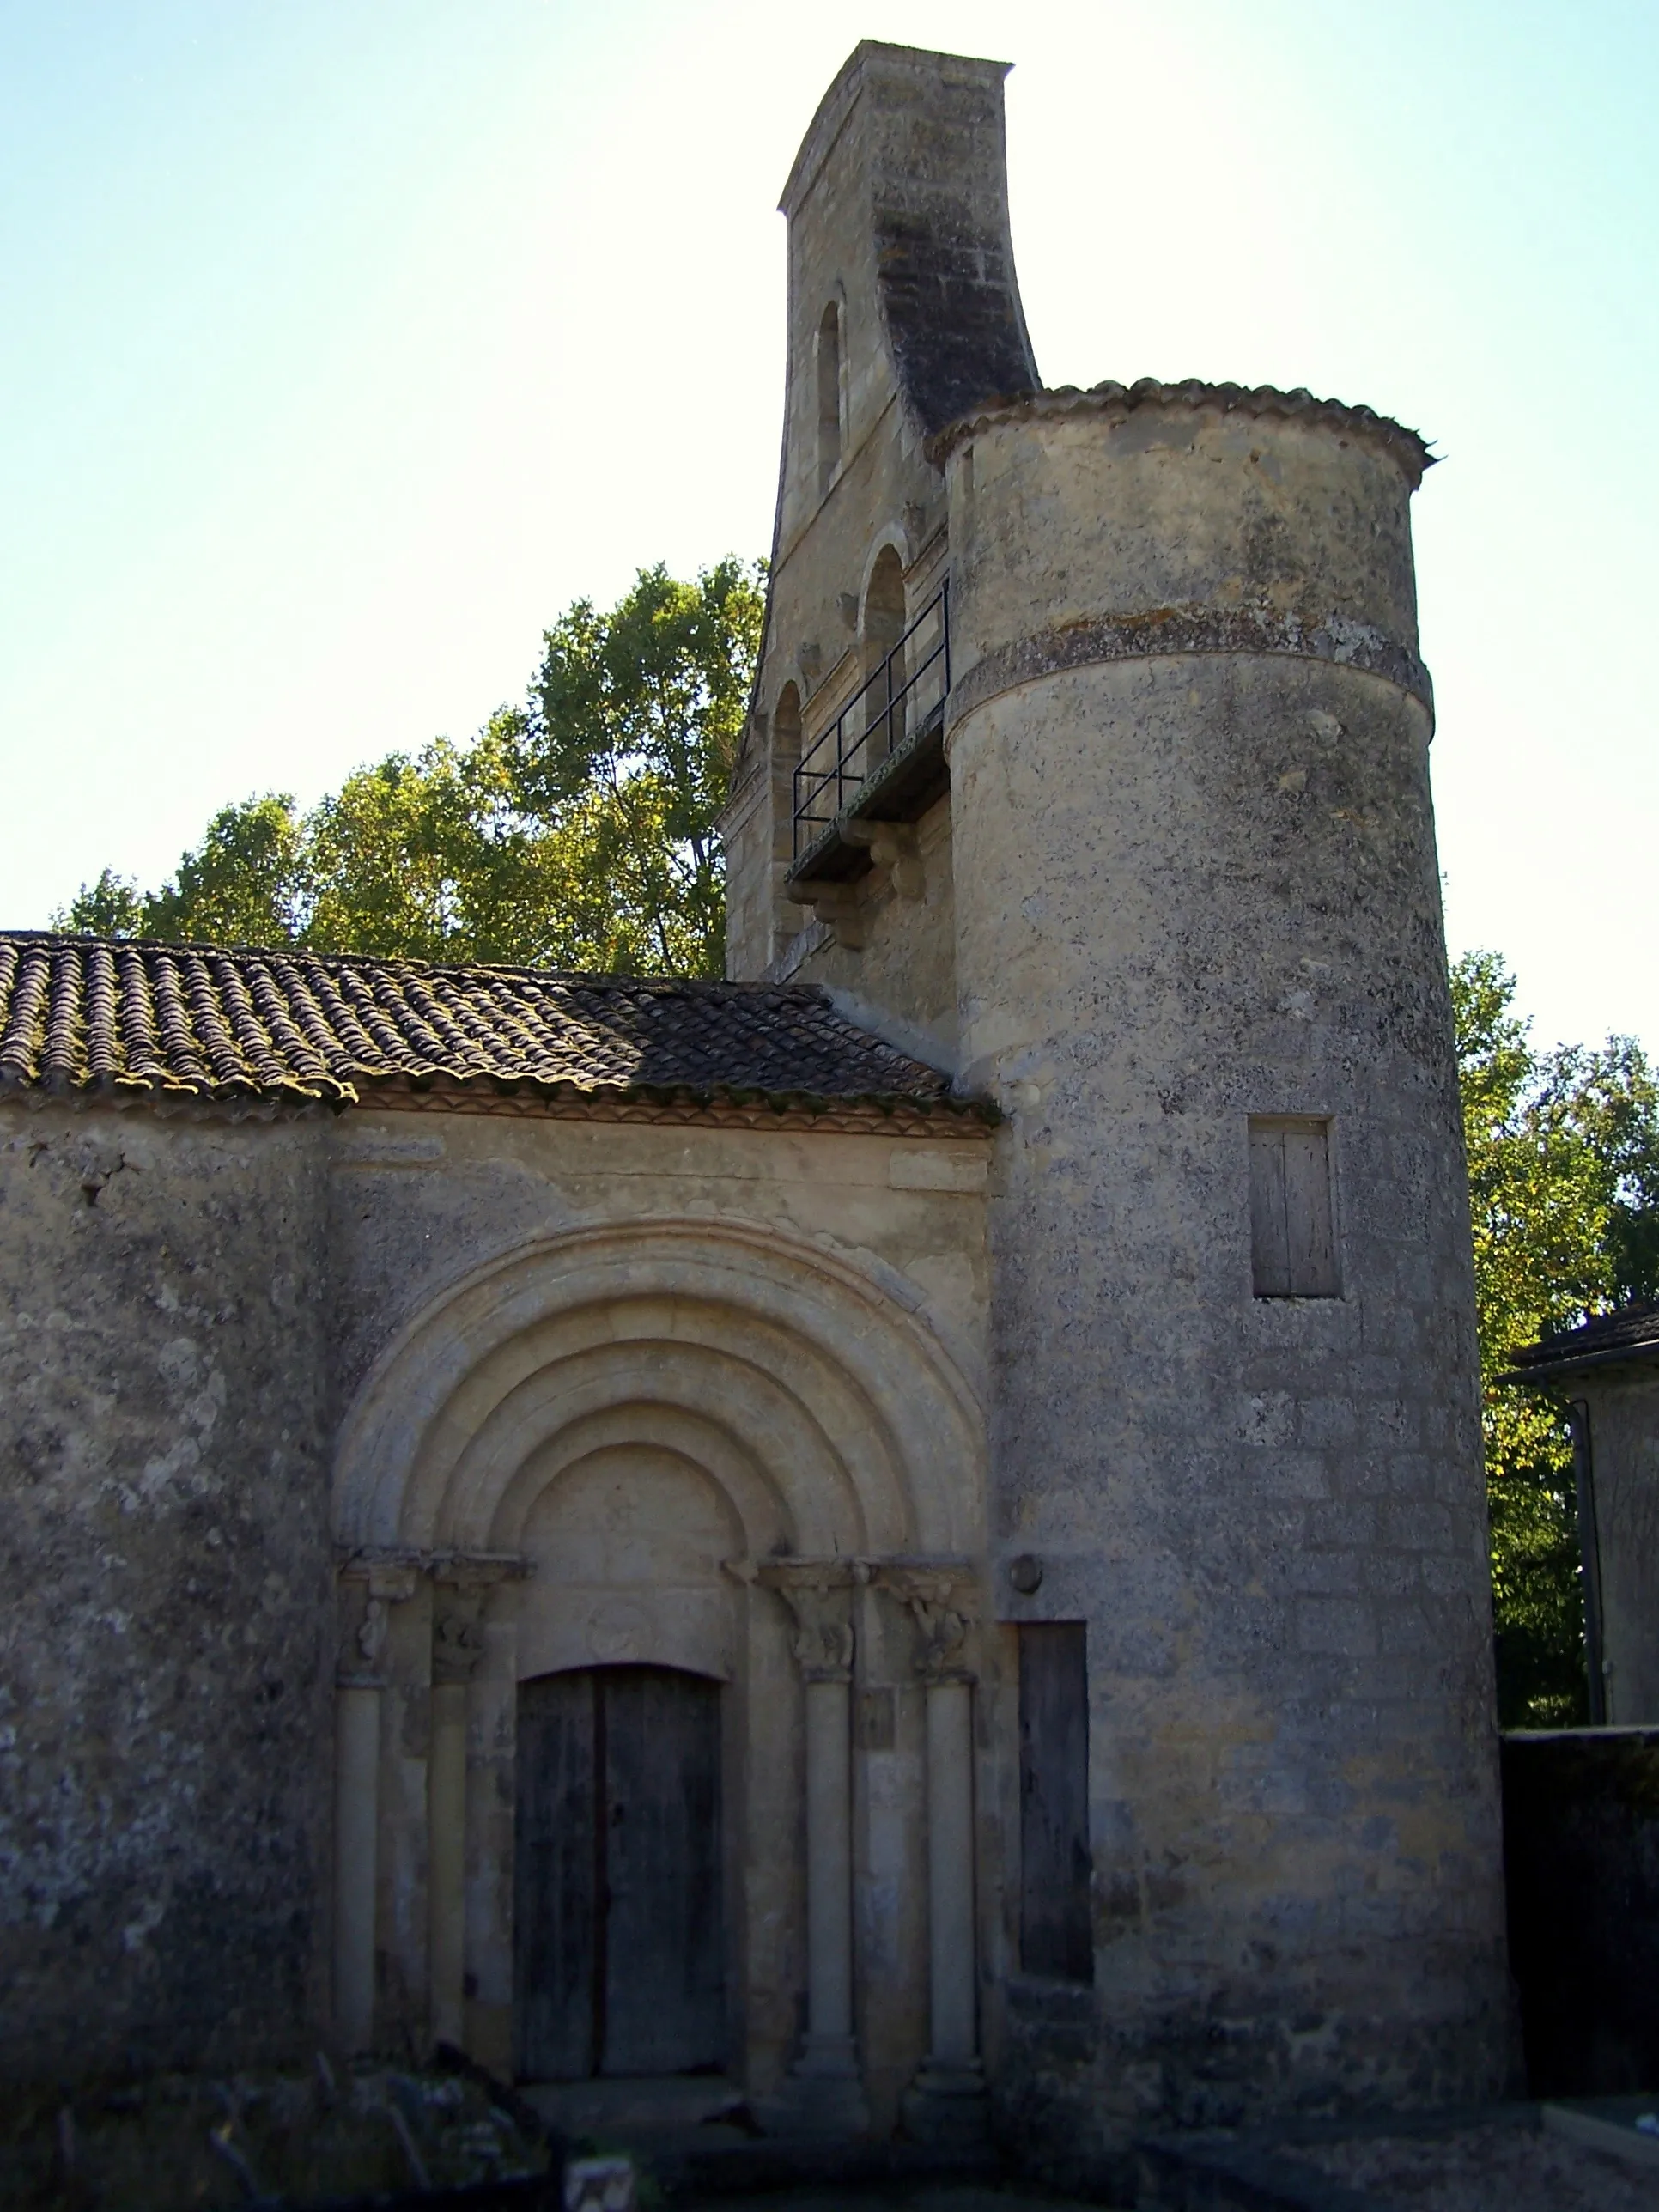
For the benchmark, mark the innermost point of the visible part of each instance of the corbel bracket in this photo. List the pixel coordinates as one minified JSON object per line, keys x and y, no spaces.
{"x":838,"y":907}
{"x":892,"y":845}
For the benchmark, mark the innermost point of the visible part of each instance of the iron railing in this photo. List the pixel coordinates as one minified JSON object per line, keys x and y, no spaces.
{"x":887,"y":707}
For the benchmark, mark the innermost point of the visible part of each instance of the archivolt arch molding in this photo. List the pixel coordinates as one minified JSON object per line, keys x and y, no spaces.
{"x":816,"y":1372}
{"x":832,"y":1489}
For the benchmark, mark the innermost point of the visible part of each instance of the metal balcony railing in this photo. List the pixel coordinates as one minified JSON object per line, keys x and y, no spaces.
{"x":896,"y":701}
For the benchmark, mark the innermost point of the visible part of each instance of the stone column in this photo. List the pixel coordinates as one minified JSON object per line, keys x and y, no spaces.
{"x":456,"y":1648}
{"x":824,"y":2094}
{"x":947,"y":2102}
{"x":366,"y":1591}
{"x":491,"y":1796}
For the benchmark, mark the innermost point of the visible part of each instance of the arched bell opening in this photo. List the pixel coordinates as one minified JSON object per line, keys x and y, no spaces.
{"x":831,"y":409}
{"x":880,"y":629}
{"x":786,"y":759}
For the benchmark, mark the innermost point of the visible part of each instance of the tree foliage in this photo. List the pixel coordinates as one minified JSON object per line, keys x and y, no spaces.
{"x":576,"y":831}
{"x":1563,"y":1192}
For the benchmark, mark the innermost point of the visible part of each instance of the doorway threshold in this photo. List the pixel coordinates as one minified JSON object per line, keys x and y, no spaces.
{"x":671,"y":2101}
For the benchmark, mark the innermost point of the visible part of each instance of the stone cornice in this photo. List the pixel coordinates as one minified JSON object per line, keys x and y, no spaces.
{"x":1113,"y":400}
{"x":1164,"y":632}
{"x":896,"y":1117}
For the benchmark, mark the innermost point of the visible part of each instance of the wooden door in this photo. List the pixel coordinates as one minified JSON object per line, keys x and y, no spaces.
{"x":1056,"y":1931}
{"x":619,"y":1950}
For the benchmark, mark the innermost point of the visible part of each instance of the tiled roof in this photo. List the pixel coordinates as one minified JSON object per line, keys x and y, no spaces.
{"x":111,"y":1017}
{"x":1632,"y":1332}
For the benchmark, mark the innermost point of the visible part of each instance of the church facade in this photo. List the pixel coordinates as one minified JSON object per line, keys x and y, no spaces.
{"x":905,"y":1532}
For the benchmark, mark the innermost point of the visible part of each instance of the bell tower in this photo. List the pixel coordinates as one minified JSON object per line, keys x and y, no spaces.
{"x":1090,"y":760}
{"x":902,"y":313}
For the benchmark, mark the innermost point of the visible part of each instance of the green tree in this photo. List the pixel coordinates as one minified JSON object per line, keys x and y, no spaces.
{"x":112,"y":907}
{"x":1563,"y":1191}
{"x":576,"y":831}
{"x":401,"y":861}
{"x":245,"y":883}
{"x":635,"y":719}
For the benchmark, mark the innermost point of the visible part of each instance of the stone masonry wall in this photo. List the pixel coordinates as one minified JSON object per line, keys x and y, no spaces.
{"x":164,"y":1684}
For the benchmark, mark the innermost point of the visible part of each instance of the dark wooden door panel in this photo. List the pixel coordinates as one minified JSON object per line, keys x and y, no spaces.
{"x":556,"y":1908}
{"x":1055,"y":1932}
{"x":664,"y":1953}
{"x":619,"y":1946}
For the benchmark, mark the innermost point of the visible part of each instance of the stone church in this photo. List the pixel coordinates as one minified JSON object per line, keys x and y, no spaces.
{"x":903,"y":1533}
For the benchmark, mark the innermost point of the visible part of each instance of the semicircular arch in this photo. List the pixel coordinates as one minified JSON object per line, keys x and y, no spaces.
{"x":741,"y":1480}
{"x":788,"y":1359}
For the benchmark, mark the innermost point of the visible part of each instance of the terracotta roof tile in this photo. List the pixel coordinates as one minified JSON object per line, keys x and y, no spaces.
{"x":90,"y":1015}
{"x":1627,"y":1332}
{"x":1112,"y":398}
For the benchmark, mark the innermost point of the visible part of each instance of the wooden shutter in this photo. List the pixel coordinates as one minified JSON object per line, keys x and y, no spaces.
{"x":1292,"y":1233}
{"x":1056,"y":1935}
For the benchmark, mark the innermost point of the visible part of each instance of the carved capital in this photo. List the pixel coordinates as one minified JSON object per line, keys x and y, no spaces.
{"x":819,"y":1595}
{"x":824,"y":1634}
{"x":461,"y":1583}
{"x":368,"y":1587}
{"x":941,"y":1601}
{"x":458,"y":1641}
{"x":372,"y":1579}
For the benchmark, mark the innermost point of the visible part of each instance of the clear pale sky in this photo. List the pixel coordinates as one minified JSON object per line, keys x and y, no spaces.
{"x":344,"y":343}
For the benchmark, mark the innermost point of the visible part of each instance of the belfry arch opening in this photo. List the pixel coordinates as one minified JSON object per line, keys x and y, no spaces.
{"x":785,"y":733}
{"x":786,"y":759}
{"x":880,"y":630}
{"x":829,"y":351}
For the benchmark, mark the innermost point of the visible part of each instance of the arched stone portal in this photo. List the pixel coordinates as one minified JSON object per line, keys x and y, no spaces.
{"x":687,"y":1445}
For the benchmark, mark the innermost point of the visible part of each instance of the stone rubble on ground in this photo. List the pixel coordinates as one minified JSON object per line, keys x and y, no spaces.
{"x":185,"y":2141}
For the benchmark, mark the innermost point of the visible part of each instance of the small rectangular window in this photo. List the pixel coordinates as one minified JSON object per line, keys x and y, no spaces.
{"x":1292,"y":1236}
{"x":1055,"y":1935}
